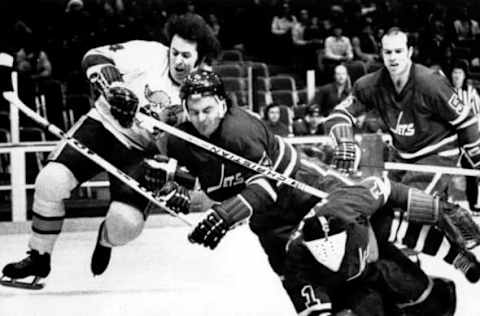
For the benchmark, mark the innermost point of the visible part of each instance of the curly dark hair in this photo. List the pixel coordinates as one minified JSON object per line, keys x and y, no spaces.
{"x":193,"y":27}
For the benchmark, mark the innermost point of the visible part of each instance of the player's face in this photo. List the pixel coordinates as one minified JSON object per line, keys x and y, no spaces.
{"x":458,"y":76}
{"x":396,"y":54}
{"x":206,"y":113}
{"x":182,"y":58}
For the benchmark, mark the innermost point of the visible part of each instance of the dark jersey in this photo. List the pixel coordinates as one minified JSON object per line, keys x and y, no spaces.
{"x":246,"y":136}
{"x":272,"y":203}
{"x":426,"y":117}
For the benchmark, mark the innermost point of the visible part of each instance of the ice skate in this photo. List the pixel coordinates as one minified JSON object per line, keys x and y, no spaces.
{"x":34,"y":265}
{"x":101,"y":255}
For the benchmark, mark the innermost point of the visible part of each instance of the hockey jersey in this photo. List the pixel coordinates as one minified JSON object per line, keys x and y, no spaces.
{"x":426,"y":117}
{"x":145,"y":70}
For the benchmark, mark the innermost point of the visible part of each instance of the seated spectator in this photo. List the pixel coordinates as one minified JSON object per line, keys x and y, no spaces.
{"x":272,"y":120}
{"x":36,"y":85}
{"x":335,"y":92}
{"x":365,"y":45}
{"x":338,"y":49}
{"x":281,"y":28}
{"x":311,"y":124}
{"x":466,"y":28}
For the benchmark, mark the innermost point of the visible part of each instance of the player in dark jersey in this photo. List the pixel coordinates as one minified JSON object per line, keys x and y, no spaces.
{"x":274,"y":209}
{"x":428,"y":124}
{"x":336,"y":263}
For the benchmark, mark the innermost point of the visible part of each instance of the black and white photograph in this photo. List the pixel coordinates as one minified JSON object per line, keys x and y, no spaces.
{"x":240,"y":157}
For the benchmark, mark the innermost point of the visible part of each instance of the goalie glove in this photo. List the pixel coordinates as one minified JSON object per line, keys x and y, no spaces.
{"x":219,"y":219}
{"x":176,"y":196}
{"x":346,"y":155}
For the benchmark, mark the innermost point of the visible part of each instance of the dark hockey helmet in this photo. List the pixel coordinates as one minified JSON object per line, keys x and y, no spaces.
{"x":201,"y":83}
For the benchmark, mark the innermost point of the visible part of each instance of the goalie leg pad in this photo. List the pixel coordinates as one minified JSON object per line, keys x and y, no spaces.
{"x":123,"y":223}
{"x":458,"y":225}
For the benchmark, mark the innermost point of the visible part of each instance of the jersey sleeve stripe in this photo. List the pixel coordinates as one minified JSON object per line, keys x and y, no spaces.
{"x":266,"y":186}
{"x":93,"y":59}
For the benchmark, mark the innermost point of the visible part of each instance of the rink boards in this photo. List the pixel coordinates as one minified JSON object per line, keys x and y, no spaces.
{"x":161,"y":273}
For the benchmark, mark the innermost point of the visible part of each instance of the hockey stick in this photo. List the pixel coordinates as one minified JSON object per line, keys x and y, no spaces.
{"x":148,"y":120}
{"x":82,"y":149}
{"x":428,"y":169}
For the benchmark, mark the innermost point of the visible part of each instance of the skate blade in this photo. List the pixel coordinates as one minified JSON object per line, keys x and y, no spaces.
{"x":34,"y":285}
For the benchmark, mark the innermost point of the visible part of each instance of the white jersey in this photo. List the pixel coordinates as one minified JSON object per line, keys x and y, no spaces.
{"x":145,"y":71}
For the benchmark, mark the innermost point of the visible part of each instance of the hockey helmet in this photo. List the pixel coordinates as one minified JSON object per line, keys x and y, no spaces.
{"x":202,"y":83}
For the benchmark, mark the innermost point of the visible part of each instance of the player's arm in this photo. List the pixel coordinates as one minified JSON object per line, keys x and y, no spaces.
{"x":101,"y":66}
{"x":339,"y":126}
{"x":259,"y":194}
{"x":461,"y":116}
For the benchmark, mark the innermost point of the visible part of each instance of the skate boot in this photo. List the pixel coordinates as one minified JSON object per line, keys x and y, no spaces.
{"x":466,"y":262}
{"x":35,"y":265}
{"x":101,"y":255}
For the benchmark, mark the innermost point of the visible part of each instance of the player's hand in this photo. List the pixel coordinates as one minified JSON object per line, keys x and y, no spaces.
{"x":345,"y":156}
{"x":177,"y":197}
{"x":210,"y":230}
{"x":123,"y":105}
{"x":158,"y":170}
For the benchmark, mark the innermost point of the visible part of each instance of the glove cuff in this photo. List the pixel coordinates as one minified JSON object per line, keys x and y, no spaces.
{"x":422,"y":207}
{"x":234,"y":211}
{"x":342,"y":132}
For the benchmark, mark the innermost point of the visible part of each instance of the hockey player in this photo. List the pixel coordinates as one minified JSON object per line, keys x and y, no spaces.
{"x":428,"y":123}
{"x":128,"y":76}
{"x":274,"y":209}
{"x":334,"y":262}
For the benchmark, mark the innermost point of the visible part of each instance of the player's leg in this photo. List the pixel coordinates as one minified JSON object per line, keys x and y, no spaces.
{"x":66,"y":169}
{"x":126,"y":214}
{"x":404,"y":283}
{"x":426,"y":238}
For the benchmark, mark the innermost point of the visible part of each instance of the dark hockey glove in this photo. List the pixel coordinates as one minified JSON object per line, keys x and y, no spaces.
{"x":219,"y":219}
{"x":160,"y":169}
{"x":345,"y":155}
{"x":123,"y":105}
{"x":177,"y":197}
{"x":458,"y":225}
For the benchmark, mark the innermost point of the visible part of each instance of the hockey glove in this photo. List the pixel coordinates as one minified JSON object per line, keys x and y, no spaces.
{"x":177,"y":197}
{"x":158,"y":170}
{"x":219,"y":219}
{"x":123,"y":105}
{"x":345,"y":155}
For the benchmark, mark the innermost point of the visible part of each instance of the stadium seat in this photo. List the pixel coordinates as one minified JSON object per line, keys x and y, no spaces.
{"x":229,"y":70}
{"x":234,"y":84}
{"x":285,"y":97}
{"x":282,"y":82}
{"x":356,"y":69}
{"x":262,"y":98}
{"x":262,"y":84}
{"x":230,"y":55}
{"x":462,"y":52}
{"x":372,"y":67}
{"x":260,"y":69}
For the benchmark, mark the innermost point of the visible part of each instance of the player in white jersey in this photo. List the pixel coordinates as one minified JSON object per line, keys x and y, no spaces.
{"x":129,"y":76}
